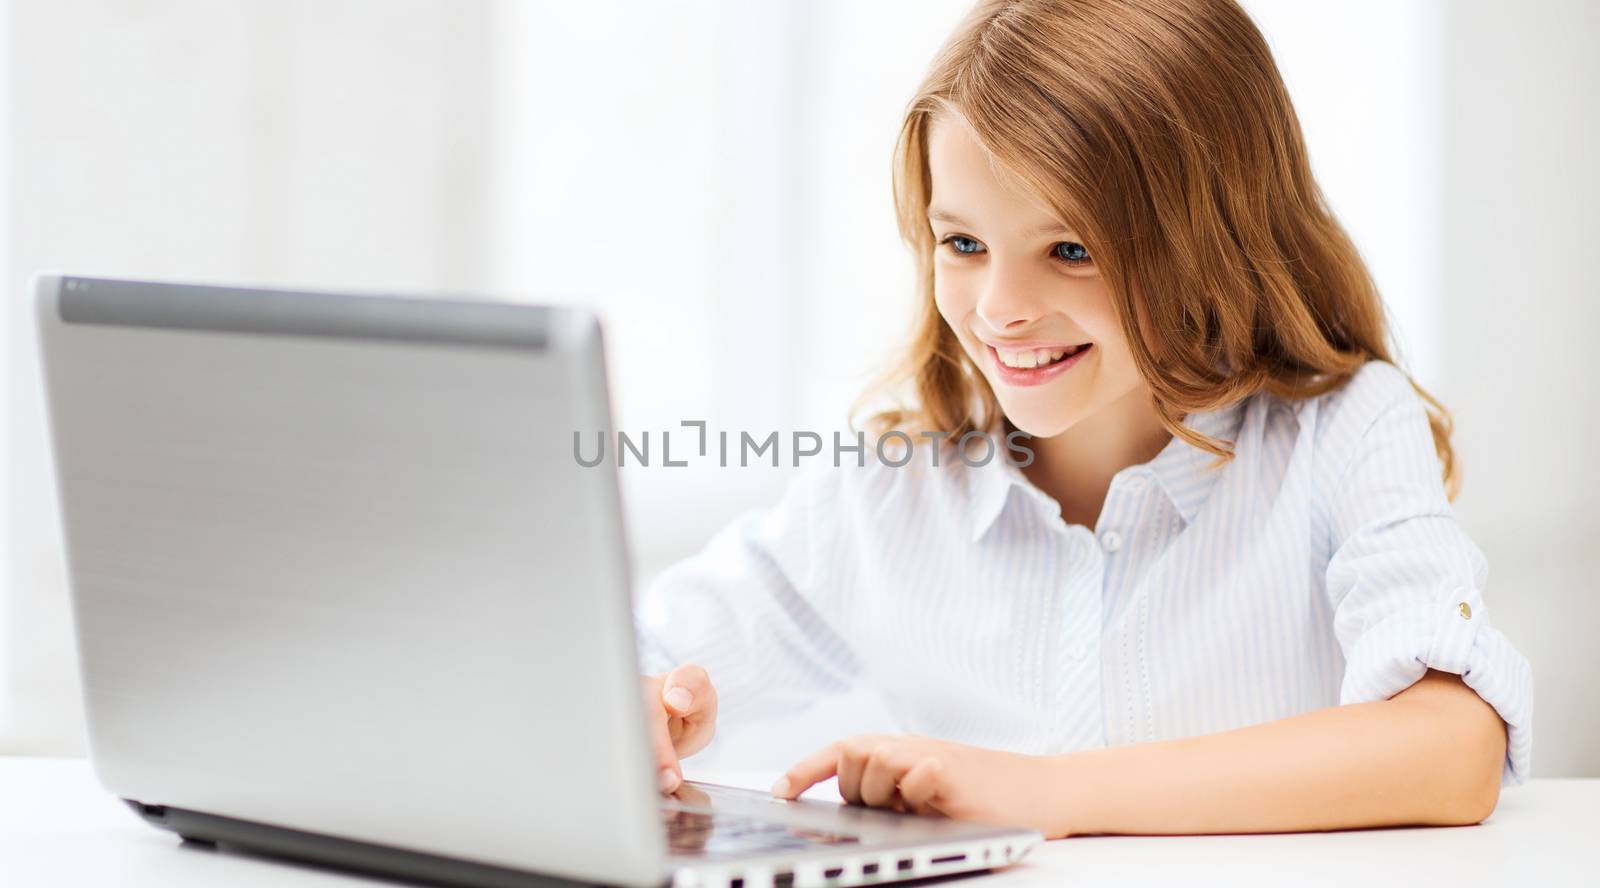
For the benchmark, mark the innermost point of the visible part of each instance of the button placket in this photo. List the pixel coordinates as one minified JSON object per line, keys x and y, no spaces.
{"x":1132,"y":487}
{"x":1075,"y":716}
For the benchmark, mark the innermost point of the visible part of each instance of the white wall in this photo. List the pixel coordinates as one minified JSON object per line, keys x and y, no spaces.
{"x":1365,"y":81}
{"x":713,"y":176}
{"x":1520,"y":308}
{"x":9,"y":429}
{"x":642,"y":165}
{"x":261,"y":141}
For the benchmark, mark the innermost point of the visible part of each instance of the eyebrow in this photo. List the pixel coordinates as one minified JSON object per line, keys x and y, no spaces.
{"x":953,"y":219}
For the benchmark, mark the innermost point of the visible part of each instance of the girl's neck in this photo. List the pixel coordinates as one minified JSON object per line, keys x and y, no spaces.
{"x":1076,"y":466}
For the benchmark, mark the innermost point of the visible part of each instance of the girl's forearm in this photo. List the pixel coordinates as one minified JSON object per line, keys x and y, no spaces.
{"x":1430,"y":755}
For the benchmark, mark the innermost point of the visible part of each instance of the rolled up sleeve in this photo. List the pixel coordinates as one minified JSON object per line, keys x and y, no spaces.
{"x":1406,"y":582}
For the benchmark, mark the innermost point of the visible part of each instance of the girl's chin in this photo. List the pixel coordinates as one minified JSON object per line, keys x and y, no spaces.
{"x":1038,"y":423}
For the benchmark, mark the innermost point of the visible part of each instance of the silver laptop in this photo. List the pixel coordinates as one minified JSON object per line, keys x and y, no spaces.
{"x":342,"y":592}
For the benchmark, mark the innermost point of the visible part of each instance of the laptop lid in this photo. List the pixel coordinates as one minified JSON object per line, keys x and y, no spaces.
{"x":325,"y":551}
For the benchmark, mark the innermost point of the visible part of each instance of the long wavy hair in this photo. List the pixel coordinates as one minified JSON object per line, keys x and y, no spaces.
{"x":1161,"y":132}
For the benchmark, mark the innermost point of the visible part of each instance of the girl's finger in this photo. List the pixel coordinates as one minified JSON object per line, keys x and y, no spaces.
{"x":666,"y":755}
{"x":852,"y":761}
{"x":687,"y":691}
{"x":689,"y":737}
{"x":813,"y":769}
{"x":920,"y":786}
{"x":879,"y":774}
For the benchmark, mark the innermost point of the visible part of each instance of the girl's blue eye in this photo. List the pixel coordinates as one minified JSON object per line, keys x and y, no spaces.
{"x":1074,"y":254}
{"x":1068,"y":252}
{"x":964,"y":245}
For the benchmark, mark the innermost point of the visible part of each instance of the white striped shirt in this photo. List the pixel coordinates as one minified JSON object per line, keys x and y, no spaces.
{"x":1322,"y":566}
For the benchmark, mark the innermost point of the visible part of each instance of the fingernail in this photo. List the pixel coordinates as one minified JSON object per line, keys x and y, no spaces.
{"x":679,"y":698}
{"x":781,"y":787}
{"x":669,"y":780}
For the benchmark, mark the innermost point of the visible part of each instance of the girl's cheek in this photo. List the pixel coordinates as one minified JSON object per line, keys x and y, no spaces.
{"x":948,"y":302}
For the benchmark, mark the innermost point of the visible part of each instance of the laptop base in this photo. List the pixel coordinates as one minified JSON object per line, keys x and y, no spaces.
{"x":346,"y":854}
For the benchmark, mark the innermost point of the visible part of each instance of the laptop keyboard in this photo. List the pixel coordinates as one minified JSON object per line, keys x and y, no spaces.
{"x":725,"y":835}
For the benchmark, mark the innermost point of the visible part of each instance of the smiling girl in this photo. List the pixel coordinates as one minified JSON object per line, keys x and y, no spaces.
{"x":1228,"y":593}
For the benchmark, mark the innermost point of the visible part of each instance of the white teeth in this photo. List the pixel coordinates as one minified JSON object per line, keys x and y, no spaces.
{"x":1031,"y":358}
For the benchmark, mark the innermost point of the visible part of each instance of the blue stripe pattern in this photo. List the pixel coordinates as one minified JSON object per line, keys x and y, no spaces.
{"x":1322,"y":566}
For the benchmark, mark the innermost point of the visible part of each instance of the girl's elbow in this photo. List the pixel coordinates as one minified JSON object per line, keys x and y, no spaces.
{"x":1473,"y":781}
{"x":1470,"y":732}
{"x":1487,"y":800}
{"x":1471,"y":805}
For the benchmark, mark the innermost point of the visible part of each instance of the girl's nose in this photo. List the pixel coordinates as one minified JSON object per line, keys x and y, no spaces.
{"x":1008,"y":301}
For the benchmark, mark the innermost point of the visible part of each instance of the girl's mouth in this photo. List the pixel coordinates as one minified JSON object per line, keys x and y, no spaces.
{"x":1035,"y":366}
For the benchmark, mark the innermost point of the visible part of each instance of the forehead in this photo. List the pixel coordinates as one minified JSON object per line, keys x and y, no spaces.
{"x":968,"y":181}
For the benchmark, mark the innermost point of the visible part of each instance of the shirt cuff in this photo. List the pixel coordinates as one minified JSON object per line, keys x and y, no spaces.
{"x":1452,"y":635}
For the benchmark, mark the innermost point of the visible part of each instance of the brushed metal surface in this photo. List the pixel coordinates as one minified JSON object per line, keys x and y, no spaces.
{"x":182,"y":306}
{"x":338,"y":585}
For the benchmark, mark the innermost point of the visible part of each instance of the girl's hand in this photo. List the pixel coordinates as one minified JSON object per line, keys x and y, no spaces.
{"x":927,"y":776}
{"x":681,"y":710}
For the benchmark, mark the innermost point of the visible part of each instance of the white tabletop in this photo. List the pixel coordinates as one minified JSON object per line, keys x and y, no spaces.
{"x":58,"y":827}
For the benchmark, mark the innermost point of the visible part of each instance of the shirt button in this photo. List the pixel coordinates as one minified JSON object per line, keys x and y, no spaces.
{"x":1465,"y":609}
{"x":1111,"y":541}
{"x":1077,"y":650}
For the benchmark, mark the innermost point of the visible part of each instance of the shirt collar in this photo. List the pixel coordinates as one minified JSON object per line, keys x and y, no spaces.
{"x":1180,"y":470}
